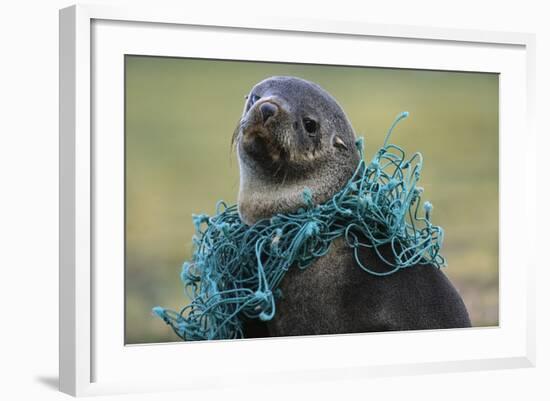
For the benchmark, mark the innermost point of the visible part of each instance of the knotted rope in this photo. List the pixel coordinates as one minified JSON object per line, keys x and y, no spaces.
{"x":236,"y":269}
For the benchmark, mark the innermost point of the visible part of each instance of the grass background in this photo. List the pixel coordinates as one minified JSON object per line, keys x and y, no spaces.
{"x":181,"y":113}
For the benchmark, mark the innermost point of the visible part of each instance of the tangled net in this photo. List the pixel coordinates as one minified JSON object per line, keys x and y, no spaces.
{"x":236,"y":269}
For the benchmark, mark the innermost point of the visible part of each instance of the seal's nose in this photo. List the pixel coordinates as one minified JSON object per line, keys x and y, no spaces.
{"x":268,"y":109}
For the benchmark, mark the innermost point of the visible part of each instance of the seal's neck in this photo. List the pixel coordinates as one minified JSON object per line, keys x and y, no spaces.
{"x":261,"y":199}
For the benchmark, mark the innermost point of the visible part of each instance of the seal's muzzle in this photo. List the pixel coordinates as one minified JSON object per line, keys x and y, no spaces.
{"x":263,"y":131}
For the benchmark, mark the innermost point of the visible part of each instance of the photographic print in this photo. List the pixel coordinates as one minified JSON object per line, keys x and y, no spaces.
{"x":280,"y":199}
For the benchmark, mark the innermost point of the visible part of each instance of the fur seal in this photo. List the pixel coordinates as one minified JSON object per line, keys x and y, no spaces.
{"x":294,"y":134}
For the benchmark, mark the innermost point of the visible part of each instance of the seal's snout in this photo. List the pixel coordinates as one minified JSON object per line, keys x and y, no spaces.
{"x":262,"y":130}
{"x":268,"y":110}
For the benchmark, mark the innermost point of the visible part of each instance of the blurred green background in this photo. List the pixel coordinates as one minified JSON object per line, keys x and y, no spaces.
{"x":181,"y":113}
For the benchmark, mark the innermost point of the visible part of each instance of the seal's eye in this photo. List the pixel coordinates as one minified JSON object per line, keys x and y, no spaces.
{"x":310,"y":125}
{"x":251,"y":100}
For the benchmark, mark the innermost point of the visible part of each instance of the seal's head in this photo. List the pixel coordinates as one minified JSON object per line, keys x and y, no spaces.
{"x":292,"y":135}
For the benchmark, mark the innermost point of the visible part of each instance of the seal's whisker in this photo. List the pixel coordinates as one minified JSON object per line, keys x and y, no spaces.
{"x":277,"y":170}
{"x":284,"y":178}
{"x":236,"y":133}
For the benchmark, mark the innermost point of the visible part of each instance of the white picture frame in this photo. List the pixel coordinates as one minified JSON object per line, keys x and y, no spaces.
{"x":93,"y":357}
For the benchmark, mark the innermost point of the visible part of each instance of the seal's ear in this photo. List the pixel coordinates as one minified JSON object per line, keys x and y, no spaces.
{"x":338,"y":142}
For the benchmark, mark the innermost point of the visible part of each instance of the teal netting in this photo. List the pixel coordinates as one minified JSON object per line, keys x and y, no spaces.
{"x":236,"y":269}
